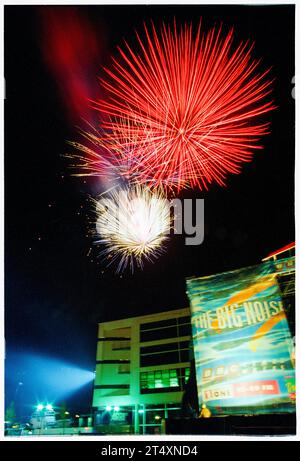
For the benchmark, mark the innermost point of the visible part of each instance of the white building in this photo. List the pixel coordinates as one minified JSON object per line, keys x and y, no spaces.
{"x":143,"y":364}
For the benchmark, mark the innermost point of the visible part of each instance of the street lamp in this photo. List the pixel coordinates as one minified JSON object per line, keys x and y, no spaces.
{"x":40,"y":408}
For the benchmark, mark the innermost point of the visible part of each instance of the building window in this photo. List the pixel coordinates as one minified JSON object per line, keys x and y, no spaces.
{"x":162,"y":354}
{"x":160,"y":333}
{"x":165,"y":329}
{"x":184,"y":320}
{"x":160,"y":380}
{"x":160,"y":324}
{"x":174,"y":346}
{"x":159,"y":359}
{"x":187,"y":372}
{"x":185,"y":330}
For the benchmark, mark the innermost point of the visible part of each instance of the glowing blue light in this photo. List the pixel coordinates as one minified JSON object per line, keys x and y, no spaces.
{"x":49,"y":406}
{"x":108,"y":408}
{"x":46,"y":379}
{"x":141,"y":411}
{"x":116,"y":408}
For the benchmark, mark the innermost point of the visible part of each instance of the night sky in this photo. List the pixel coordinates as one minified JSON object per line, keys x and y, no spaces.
{"x":54,"y":293}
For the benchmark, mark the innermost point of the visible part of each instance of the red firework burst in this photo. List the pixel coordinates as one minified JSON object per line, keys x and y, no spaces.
{"x":193,"y":105}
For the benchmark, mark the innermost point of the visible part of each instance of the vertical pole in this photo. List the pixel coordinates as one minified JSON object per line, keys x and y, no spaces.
{"x":136,"y":419}
{"x":144,"y":420}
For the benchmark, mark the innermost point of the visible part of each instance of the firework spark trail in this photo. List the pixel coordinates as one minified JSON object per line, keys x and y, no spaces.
{"x":133,"y":223}
{"x":111,"y":156}
{"x":193,"y":106}
{"x":103,"y":156}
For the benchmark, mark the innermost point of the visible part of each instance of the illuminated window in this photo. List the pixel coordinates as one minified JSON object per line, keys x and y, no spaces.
{"x":164,"y":380}
{"x":187,"y":372}
{"x":158,"y":382}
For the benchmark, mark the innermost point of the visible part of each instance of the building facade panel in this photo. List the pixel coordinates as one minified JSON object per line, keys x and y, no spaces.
{"x":143,"y":365}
